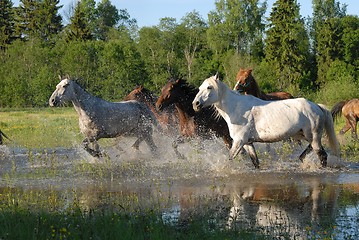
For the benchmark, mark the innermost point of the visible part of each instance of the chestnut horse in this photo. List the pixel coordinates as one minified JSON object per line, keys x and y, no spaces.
{"x":246,"y":84}
{"x":167,"y":118}
{"x":350,"y":110}
{"x":203,"y":124}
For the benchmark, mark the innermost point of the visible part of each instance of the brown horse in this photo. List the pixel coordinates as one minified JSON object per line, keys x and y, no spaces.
{"x":350,"y":110}
{"x":203,"y":124}
{"x":167,"y":118}
{"x":246,"y":84}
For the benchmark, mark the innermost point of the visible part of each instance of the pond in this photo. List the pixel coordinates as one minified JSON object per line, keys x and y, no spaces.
{"x":285,"y":199}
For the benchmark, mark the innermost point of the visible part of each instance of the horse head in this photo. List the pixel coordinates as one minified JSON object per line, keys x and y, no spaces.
{"x":61,"y":94}
{"x":243,"y":79}
{"x":208,"y":93}
{"x":170,"y":92}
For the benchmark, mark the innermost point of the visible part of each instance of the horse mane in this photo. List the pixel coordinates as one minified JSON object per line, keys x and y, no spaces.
{"x":149,"y":95}
{"x":257,"y":90}
{"x":183,"y":84}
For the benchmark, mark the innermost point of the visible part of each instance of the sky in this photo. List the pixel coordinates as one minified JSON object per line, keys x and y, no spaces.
{"x":149,"y":12}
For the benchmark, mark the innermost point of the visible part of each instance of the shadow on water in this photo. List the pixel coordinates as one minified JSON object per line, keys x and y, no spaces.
{"x":285,"y":199}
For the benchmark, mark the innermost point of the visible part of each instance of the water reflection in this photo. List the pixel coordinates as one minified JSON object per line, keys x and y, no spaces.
{"x":291,"y":204}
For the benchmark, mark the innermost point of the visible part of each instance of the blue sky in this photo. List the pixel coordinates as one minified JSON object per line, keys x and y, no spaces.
{"x":148,"y":12}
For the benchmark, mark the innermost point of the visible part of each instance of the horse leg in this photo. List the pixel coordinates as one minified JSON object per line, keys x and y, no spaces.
{"x":237,"y":146}
{"x":175,"y":143}
{"x":346,"y":127}
{"x":306,"y":151}
{"x":151,"y":143}
{"x":93,"y":152}
{"x":353,"y":125}
{"x":252,"y":154}
{"x":136,"y":145}
{"x":323,"y":156}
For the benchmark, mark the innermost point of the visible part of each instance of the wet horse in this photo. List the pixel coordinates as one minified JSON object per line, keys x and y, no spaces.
{"x":246,"y":84}
{"x":102,"y":119}
{"x":203,"y":124}
{"x":350,"y":110}
{"x":168,"y":118}
{"x":251,"y":119}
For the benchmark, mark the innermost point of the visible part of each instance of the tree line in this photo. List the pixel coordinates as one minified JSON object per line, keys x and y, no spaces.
{"x":104,"y":49}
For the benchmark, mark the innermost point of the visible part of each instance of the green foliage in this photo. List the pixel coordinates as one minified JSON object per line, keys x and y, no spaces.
{"x":341,"y":84}
{"x":236,"y":25}
{"x":6,"y":23}
{"x":105,"y":51}
{"x":287,"y":45}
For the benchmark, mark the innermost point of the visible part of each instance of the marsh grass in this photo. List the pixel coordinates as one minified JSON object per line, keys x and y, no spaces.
{"x":48,"y":215}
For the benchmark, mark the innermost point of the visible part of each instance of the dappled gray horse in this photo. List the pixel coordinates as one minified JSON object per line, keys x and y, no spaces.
{"x":102,"y":119}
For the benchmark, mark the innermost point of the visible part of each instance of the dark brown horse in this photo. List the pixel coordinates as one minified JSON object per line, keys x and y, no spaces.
{"x":350,"y":110}
{"x":167,"y":118}
{"x":246,"y":84}
{"x":203,"y":124}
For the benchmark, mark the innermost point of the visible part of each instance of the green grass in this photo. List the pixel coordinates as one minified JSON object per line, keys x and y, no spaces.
{"x":41,"y":128}
{"x":48,"y":215}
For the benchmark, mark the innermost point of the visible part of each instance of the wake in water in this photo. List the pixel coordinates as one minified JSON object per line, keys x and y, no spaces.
{"x":203,"y":158}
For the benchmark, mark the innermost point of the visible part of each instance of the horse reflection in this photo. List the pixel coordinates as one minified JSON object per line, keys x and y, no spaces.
{"x":284,"y":210}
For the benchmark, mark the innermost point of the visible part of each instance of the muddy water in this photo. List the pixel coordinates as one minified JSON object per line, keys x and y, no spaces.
{"x":284,"y":199}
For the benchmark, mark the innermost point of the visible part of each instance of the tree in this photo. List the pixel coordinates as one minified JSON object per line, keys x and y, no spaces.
{"x":79,"y":28}
{"x":287,"y":45}
{"x":193,"y":31}
{"x":36,"y":18}
{"x":351,"y":40}
{"x":107,"y":17}
{"x":6,"y":23}
{"x":326,"y":34}
{"x":236,"y":24}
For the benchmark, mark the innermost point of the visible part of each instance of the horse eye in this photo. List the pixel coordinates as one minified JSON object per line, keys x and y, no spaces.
{"x":210,"y":87}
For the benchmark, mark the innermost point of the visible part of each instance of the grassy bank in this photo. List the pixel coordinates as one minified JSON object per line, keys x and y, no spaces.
{"x":41,"y":128}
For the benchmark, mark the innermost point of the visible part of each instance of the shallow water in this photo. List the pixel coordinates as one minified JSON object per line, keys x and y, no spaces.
{"x":284,"y":199}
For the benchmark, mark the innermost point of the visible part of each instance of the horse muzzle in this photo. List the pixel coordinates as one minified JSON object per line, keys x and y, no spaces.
{"x":197,"y":105}
{"x":54,"y":102}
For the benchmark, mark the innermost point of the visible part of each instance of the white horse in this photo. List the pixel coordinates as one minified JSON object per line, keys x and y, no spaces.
{"x":102,"y":119}
{"x":251,"y":119}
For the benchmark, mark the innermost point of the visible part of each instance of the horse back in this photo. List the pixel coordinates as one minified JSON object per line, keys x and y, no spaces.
{"x":278,"y":96}
{"x":351,"y":108}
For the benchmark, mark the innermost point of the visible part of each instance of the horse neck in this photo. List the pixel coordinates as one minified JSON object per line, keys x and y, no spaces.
{"x":254,"y":89}
{"x":229,"y":100}
{"x":82,"y":100}
{"x":185,"y":99}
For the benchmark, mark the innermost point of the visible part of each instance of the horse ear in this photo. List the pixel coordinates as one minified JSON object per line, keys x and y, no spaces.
{"x":216,"y":77}
{"x":60,"y":77}
{"x":68,"y":76}
{"x":250,"y":71}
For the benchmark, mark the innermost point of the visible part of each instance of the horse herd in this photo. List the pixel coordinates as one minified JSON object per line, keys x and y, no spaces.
{"x":240,"y":116}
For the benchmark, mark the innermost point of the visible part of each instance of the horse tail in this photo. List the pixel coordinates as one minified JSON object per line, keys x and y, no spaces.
{"x":337,"y":109}
{"x":329,"y":130}
{"x":3,"y":134}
